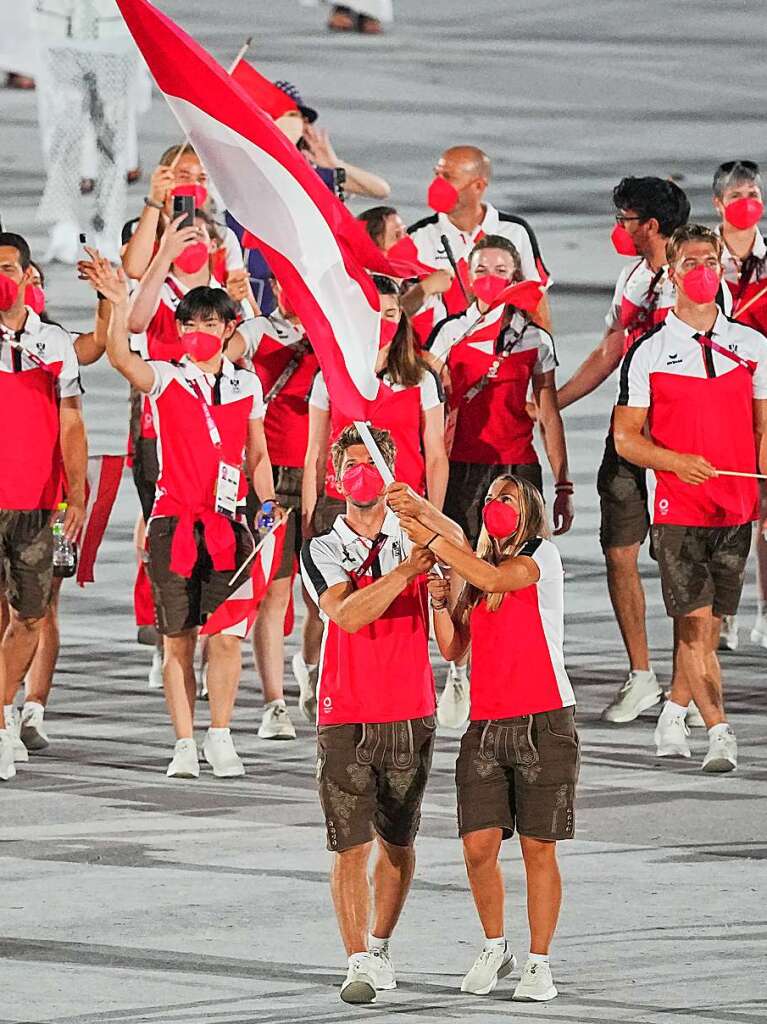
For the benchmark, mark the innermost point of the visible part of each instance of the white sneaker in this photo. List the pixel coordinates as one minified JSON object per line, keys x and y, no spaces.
{"x":490,"y":965}
{"x":640,"y":692}
{"x":670,"y":736}
{"x":31,"y":731}
{"x":694,"y":717}
{"x":536,"y":984}
{"x":453,"y":705}
{"x":20,"y":752}
{"x":728,"y":638}
{"x":155,"y":672}
{"x":7,"y":767}
{"x":307,"y":686}
{"x":383,"y":975}
{"x":218,"y":750}
{"x":722,"y":753}
{"x":276,"y":723}
{"x":759,"y":632}
{"x":360,"y":983}
{"x":185,"y":763}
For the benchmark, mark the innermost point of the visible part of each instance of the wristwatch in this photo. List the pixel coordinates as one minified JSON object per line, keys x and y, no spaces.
{"x":148,"y":201}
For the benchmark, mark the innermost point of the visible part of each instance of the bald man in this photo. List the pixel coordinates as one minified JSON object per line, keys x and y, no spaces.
{"x":457,"y":195}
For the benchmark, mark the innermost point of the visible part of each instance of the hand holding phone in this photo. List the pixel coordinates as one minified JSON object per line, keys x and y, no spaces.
{"x":184,"y":206}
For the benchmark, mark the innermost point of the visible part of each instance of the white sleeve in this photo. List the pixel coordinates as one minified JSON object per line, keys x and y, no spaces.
{"x":430,"y":396}
{"x":547,"y":358}
{"x":529,"y":267}
{"x":320,"y":569}
{"x":546,"y":556}
{"x":759,"y":380}
{"x":252,"y":332}
{"x":234,"y":258}
{"x":69,"y":385}
{"x":319,"y":396}
{"x":450,"y":331}
{"x":613,"y":316}
{"x":634,"y":377}
{"x":163,"y":375}
{"x":258,"y":410}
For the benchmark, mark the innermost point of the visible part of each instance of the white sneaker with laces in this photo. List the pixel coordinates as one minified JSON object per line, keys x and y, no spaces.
{"x":218,"y":750}
{"x":31,"y":730}
{"x":453,"y":705}
{"x":670,"y":736}
{"x":276,"y":723}
{"x":384,"y":976}
{"x":722,"y":753}
{"x":759,"y":632}
{"x":490,"y":965}
{"x":694,"y":717}
{"x":7,"y":766}
{"x":306,"y":678}
{"x":12,"y":727}
{"x":155,"y":672}
{"x":640,"y":692}
{"x":536,"y":984}
{"x":185,"y":763}
{"x":360,"y":983}
{"x":728,"y":638}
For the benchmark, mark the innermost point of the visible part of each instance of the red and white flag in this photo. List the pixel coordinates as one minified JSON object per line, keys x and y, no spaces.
{"x":315,"y":248}
{"x":235,"y":617}
{"x":101,"y":486}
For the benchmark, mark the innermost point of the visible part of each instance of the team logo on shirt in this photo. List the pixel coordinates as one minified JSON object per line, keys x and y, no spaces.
{"x":733,"y":347}
{"x":235,"y":383}
{"x":40,"y":346}
{"x":673,"y":359}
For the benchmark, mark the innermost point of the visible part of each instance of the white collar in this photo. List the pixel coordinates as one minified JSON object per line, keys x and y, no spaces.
{"x":683,"y":330}
{"x":389,"y":528}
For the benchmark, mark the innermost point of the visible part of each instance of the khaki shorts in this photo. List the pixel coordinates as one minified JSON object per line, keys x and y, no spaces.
{"x":701,"y":566}
{"x":372,"y":779}
{"x":287,"y":490}
{"x":26,"y":560}
{"x":519,"y":772}
{"x":326,"y":511}
{"x":622,"y":490}
{"x":467,"y":487}
{"x":182,"y":604}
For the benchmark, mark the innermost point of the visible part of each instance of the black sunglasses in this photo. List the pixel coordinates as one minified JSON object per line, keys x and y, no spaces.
{"x":730,"y":165}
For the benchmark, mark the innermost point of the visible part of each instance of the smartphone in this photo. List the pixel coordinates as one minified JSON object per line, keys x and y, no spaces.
{"x":184,"y":205}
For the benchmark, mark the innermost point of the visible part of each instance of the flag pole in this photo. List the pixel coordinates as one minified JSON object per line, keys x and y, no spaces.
{"x":230,"y":70}
{"x":257,"y":548}
{"x":734,"y":472}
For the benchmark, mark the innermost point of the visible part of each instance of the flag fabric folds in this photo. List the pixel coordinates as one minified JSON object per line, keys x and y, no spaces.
{"x":102,"y":483}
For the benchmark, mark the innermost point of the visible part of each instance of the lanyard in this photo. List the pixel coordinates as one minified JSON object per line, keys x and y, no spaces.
{"x":16,"y":346}
{"x":495,"y":366}
{"x":209,"y":421}
{"x":708,"y":342}
{"x":301,"y":349}
{"x":372,"y":555}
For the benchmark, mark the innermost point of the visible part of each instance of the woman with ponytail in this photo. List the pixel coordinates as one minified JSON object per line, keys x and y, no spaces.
{"x":519,"y":758}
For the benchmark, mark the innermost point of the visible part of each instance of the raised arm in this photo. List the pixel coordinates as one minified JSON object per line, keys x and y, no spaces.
{"x":313,"y":481}
{"x":137,"y":254}
{"x":403,"y":500}
{"x":147,"y":296}
{"x":358,"y":181}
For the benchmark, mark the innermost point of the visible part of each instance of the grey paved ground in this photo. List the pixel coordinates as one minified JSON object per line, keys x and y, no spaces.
{"x":128,"y":898}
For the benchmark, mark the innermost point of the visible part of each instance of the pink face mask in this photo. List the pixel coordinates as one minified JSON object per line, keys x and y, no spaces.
{"x":201,"y":346}
{"x":442,"y":196}
{"x":362,"y":484}
{"x":388,"y":329}
{"x":9,"y":291}
{"x":193,"y":258}
{"x":700,"y":285}
{"x":199,"y":192}
{"x":500,"y":519}
{"x":34,"y":297}
{"x":623,"y":242}
{"x":744,"y":213}
{"x":487,"y":287}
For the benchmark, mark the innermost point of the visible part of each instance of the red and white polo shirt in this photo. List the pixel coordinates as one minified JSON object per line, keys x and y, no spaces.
{"x":286,"y":364}
{"x":491,"y":365}
{"x":529,"y":676}
{"x":381,"y":673}
{"x":424,"y":242}
{"x":186,"y":452}
{"x":700,"y":402}
{"x":398,"y":409}
{"x":38,"y":367}
{"x":746,"y":279}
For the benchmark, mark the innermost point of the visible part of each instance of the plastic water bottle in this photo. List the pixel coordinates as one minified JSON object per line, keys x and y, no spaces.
{"x":64,"y":551}
{"x":265,"y":520}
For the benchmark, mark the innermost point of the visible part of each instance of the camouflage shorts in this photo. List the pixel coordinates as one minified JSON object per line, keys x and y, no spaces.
{"x":372,"y":779}
{"x":701,"y":566}
{"x":520,"y":772}
{"x":26,"y":559}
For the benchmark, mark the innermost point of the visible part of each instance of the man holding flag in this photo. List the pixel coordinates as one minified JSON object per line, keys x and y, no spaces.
{"x":209,"y":418}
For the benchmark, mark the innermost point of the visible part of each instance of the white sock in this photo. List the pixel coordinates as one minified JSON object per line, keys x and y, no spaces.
{"x":718,"y":730}
{"x":213,"y":733}
{"x":8,"y":714}
{"x":538,"y":958}
{"x":376,"y":944}
{"x":34,"y":704}
{"x":457,"y":670}
{"x":495,"y":943}
{"x":185,"y":739}
{"x":673,"y":710}
{"x":356,"y":957}
{"x":279,"y":703}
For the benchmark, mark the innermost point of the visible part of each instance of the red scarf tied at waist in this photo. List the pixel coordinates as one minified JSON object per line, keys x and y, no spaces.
{"x":219,"y":540}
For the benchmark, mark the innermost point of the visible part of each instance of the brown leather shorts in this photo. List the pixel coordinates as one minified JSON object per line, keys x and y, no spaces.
{"x":372,"y":780}
{"x":519,"y":772}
